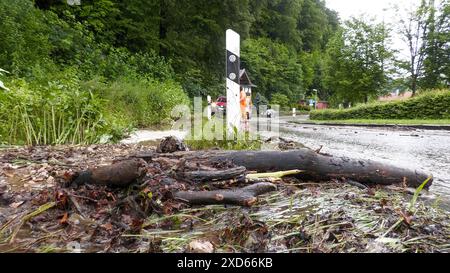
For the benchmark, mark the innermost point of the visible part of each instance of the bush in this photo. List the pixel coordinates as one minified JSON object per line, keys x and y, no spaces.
{"x":24,"y":36}
{"x":429,"y":105}
{"x":243,"y":142}
{"x":281,"y":100}
{"x":56,"y":113}
{"x":114,"y":63}
{"x":140,"y":101}
{"x":302,"y":108}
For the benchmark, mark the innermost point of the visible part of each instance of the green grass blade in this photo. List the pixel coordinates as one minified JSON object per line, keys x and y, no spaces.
{"x":417,"y":192}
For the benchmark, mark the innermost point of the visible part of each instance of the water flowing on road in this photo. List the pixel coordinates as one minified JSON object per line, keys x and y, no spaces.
{"x":428,"y":150}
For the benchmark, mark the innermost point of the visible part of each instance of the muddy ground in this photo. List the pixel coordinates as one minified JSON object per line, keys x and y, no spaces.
{"x":39,"y":212}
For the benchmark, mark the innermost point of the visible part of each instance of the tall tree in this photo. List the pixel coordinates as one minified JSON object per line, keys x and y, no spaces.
{"x":274,"y":67}
{"x":316,"y":24}
{"x":415,"y":28}
{"x":437,"y":60}
{"x":190,"y":35}
{"x":358,"y":56}
{"x":277,"y":20}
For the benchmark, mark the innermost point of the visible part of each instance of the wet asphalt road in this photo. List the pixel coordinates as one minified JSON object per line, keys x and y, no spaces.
{"x":428,"y":150}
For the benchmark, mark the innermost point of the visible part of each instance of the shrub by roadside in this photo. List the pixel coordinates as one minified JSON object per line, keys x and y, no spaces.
{"x":141,"y":102}
{"x":67,"y":110}
{"x":429,"y":105}
{"x":55,"y":113}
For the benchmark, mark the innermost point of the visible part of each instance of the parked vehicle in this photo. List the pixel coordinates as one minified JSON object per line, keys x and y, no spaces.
{"x":220,"y":106}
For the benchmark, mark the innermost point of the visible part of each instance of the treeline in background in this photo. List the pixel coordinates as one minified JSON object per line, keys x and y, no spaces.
{"x":86,"y":73}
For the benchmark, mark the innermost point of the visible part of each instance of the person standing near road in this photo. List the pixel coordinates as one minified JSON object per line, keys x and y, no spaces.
{"x":243,"y":103}
{"x":270,"y":113}
{"x":257,"y":103}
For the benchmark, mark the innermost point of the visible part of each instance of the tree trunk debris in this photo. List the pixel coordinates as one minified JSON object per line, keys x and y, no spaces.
{"x":246,"y":196}
{"x":198,"y":168}
{"x":315,"y":167}
{"x":120,"y":174}
{"x":205,"y":176}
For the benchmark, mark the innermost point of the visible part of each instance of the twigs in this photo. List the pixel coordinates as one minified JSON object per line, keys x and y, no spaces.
{"x":278,"y":175}
{"x":30,"y":216}
{"x":243,"y":197}
{"x":77,"y":206}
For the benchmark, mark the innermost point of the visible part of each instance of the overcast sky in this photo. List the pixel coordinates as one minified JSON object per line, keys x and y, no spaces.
{"x":347,"y":8}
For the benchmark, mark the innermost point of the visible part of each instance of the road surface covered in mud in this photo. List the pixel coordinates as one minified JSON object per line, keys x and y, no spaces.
{"x":428,"y":150}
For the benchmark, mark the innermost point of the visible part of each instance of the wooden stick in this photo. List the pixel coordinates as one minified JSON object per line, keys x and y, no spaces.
{"x":203,"y":176}
{"x":246,"y":196}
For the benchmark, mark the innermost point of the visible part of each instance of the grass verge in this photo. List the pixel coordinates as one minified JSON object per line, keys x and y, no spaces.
{"x":384,"y":121}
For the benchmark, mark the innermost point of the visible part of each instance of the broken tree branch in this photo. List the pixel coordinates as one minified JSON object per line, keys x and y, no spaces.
{"x":246,"y":196}
{"x":276,"y":175}
{"x":316,"y":167}
{"x":203,"y":176}
{"x":121,"y":173}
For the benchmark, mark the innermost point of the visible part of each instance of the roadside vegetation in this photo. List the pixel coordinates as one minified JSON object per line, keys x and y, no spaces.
{"x":429,"y":105}
{"x":383,"y":121}
{"x":75,"y":87}
{"x":90,"y":73}
{"x":227,"y":141}
{"x":238,"y":144}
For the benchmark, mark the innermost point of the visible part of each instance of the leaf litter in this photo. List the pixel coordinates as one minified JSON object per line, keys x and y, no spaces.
{"x":39,"y":213}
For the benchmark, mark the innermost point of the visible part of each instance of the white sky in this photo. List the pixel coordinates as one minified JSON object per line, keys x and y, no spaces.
{"x":347,"y":8}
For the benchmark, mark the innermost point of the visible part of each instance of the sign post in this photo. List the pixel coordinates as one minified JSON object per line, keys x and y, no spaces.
{"x":209,"y":110}
{"x":233,"y":88}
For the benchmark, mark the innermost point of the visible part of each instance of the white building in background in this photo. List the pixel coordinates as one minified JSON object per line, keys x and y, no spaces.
{"x":74,"y":2}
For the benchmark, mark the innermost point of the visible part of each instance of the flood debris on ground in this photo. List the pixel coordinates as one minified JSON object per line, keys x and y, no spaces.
{"x":43,"y":210}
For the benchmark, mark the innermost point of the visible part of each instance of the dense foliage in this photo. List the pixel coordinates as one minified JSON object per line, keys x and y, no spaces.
{"x":430,"y":105}
{"x":426,"y":32}
{"x":99,"y":37}
{"x":357,"y":64}
{"x":152,"y":101}
{"x":53,"y":113}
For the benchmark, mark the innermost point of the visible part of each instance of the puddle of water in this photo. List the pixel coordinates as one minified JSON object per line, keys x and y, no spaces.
{"x":148,"y":136}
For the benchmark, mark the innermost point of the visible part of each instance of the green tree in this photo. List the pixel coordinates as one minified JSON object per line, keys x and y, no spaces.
{"x":358,"y":57}
{"x":437,"y":59}
{"x":185,"y":40}
{"x":314,"y":72}
{"x":274,"y":67}
{"x":316,"y":24}
{"x":415,"y":29}
{"x":24,"y":41}
{"x":280,"y":99}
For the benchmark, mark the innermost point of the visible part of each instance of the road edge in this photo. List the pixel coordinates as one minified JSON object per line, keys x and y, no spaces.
{"x":406,"y":126}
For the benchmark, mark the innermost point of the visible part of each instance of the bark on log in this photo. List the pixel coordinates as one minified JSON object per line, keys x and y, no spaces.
{"x":203,"y":176}
{"x":316,"y":167}
{"x":119,"y":174}
{"x":246,"y":196}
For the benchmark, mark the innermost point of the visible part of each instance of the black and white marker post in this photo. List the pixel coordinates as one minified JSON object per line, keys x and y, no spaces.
{"x":233,"y":46}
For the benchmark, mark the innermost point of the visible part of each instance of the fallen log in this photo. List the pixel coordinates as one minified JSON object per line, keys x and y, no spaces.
{"x":315,"y":167}
{"x":119,"y":174}
{"x":246,"y":196}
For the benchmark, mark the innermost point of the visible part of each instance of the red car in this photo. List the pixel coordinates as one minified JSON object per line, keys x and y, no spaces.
{"x":222,"y":102}
{"x":220,"y":105}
